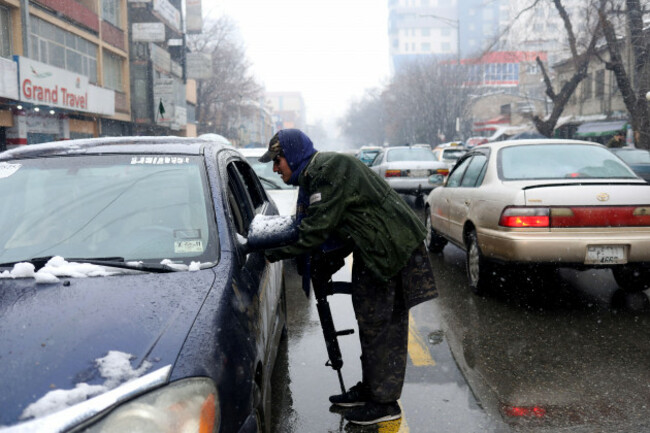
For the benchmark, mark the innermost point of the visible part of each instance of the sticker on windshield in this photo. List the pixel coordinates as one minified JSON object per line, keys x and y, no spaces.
{"x":159,"y":160}
{"x":7,"y":169}
{"x":193,"y":246}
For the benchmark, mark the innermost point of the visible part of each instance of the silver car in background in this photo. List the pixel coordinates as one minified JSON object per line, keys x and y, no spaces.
{"x":410,"y":170}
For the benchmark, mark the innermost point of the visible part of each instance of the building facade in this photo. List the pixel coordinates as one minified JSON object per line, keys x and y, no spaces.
{"x":71,"y":69}
{"x":448,"y":30}
{"x":288,"y":109}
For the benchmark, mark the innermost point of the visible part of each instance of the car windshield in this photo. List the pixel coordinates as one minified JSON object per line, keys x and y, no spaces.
{"x":147,"y":208}
{"x":637,"y":156}
{"x":264,"y":170}
{"x":560,"y":161}
{"x":410,"y":154}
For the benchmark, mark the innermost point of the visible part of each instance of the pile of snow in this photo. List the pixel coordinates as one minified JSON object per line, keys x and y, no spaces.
{"x":115,"y":367}
{"x":56,"y":267}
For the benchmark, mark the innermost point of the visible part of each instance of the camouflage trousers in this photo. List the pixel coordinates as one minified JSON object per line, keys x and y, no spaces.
{"x":381,"y":310}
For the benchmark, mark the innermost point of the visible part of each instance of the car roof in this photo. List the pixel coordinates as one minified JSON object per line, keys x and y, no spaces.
{"x":509,"y":143}
{"x":130,"y":145}
{"x":252,"y":151}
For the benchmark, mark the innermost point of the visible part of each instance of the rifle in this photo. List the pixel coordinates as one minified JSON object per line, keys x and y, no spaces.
{"x":272,"y":231}
{"x":324,"y":287}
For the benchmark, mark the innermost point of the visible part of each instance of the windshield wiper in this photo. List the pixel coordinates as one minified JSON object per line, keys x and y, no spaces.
{"x":114,"y":262}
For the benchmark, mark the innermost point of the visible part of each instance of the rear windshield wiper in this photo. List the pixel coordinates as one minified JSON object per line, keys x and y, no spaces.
{"x":114,"y":262}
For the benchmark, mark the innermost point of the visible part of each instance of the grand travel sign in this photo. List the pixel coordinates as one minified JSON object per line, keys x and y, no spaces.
{"x":43,"y":84}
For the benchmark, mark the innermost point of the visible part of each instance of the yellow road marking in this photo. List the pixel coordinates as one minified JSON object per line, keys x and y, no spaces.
{"x":418,"y":350}
{"x":397,"y":426}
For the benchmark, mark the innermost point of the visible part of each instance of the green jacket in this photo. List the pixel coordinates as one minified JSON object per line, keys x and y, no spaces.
{"x":353,"y":203}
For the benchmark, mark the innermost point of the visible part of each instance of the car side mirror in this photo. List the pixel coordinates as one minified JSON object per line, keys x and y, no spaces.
{"x":269,"y":231}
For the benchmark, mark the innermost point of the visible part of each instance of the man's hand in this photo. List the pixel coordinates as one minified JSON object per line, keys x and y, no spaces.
{"x":274,"y":255}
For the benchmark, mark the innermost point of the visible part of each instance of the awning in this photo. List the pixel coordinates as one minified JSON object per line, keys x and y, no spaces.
{"x":598,"y":129}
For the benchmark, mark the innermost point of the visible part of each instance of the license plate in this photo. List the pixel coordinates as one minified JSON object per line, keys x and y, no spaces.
{"x":605,"y":254}
{"x":418,"y":173}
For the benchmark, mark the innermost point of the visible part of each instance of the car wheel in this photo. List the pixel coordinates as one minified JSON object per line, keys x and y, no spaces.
{"x":479,"y":269}
{"x":434,"y":242}
{"x":632,"y":278}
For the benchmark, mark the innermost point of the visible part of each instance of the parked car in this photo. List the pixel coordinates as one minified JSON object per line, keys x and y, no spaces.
{"x":561,"y":203}
{"x":449,"y":153}
{"x":285,"y":196}
{"x":409,"y":170}
{"x":367,"y":154}
{"x":637,"y":159}
{"x":129,"y":299}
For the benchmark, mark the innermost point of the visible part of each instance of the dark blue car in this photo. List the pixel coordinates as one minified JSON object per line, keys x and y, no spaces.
{"x":128,"y":298}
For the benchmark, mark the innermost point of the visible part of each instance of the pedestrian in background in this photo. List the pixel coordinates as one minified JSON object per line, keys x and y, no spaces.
{"x":341,"y":198}
{"x":618,"y":140}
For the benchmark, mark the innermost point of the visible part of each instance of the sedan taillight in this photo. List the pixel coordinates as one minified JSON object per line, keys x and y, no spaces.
{"x":582,"y":216}
{"x":525,"y":217}
{"x":393,"y":173}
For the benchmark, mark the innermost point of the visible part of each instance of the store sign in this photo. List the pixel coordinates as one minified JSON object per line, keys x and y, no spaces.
{"x":160,"y":58}
{"x":148,"y":32}
{"x":168,"y":12}
{"x":199,"y":66}
{"x":47,"y":85}
{"x":193,"y":16}
{"x":8,"y":79}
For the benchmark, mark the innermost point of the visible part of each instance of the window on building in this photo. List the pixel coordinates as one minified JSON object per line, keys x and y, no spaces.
{"x":5,"y":32}
{"x":445,"y":32}
{"x":113,"y":71}
{"x":425,"y":47}
{"x":425,"y":32}
{"x":60,"y":48}
{"x":111,"y":12}
{"x":445,"y":47}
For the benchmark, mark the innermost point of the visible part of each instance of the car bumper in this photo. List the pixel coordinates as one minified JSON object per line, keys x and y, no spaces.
{"x":568,"y":247}
{"x":410,"y":186}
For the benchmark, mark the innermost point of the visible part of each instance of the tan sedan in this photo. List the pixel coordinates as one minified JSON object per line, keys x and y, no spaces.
{"x":551,"y":202}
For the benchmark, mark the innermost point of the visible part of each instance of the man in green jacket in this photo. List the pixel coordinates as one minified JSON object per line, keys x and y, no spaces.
{"x":341,"y":198}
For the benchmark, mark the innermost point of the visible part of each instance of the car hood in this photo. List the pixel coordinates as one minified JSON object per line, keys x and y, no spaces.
{"x":52,"y":335}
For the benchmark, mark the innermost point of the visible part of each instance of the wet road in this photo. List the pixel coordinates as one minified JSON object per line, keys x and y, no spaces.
{"x":551,"y":352}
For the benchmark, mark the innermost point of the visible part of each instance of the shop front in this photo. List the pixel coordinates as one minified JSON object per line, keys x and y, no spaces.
{"x":55,"y":104}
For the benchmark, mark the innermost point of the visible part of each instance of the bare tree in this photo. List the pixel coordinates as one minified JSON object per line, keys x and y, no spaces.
{"x":422,"y":103}
{"x":224,"y":98}
{"x":634,"y":81}
{"x":580,"y":56}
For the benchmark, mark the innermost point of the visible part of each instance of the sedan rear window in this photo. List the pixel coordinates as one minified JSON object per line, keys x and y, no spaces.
{"x":139,"y":208}
{"x":560,"y":161}
{"x":410,"y":154}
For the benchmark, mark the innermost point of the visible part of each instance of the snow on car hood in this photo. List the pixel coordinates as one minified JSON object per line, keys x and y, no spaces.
{"x":53,"y":337}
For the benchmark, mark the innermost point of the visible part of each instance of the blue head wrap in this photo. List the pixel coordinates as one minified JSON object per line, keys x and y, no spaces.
{"x":297,"y":149}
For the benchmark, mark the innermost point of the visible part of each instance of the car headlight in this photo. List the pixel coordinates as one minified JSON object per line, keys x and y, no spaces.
{"x":186,"y":406}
